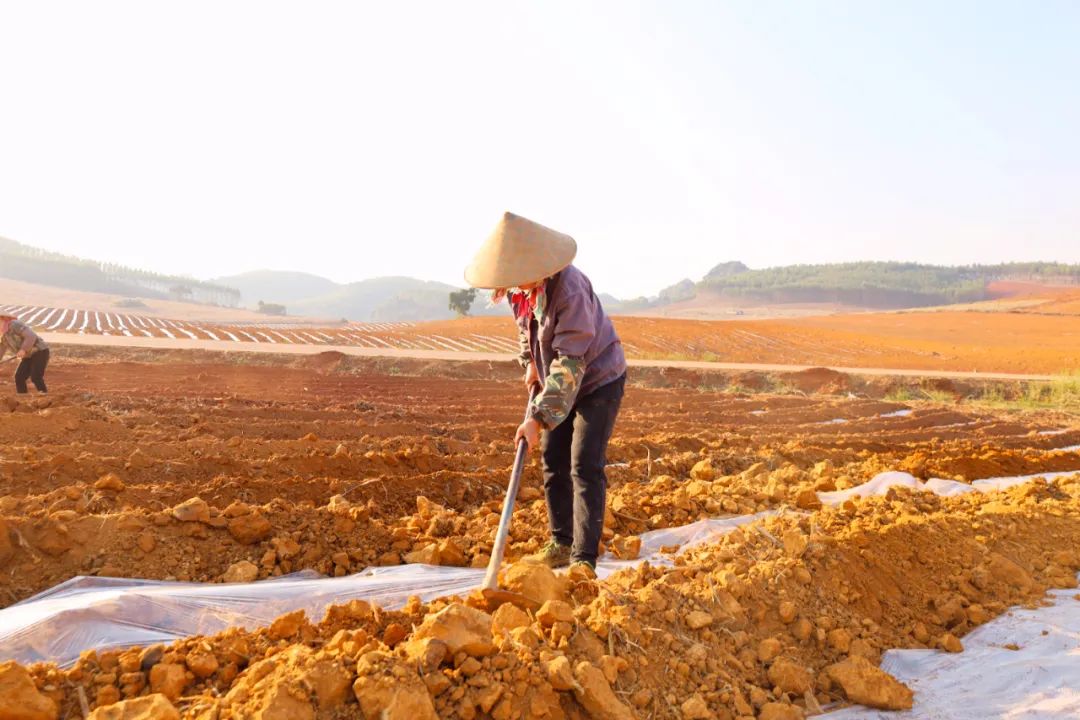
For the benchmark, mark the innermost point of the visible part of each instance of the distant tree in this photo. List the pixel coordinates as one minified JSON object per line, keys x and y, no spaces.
{"x":270,"y":308}
{"x":461,"y":301}
{"x":180,"y":292}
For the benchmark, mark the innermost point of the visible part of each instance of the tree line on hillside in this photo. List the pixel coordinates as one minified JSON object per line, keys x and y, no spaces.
{"x":867,"y":284}
{"x":29,"y":264}
{"x":878,"y":283}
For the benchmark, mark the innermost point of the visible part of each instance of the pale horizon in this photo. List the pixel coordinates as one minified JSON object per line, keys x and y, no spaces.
{"x":355,"y":141}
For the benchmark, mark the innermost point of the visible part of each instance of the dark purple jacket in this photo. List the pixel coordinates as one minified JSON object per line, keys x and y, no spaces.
{"x":574,"y":325}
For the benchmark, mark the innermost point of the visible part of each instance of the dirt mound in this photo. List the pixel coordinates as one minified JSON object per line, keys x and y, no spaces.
{"x":775,"y":620}
{"x":325,"y":361}
{"x":819,"y":380}
{"x":753,"y":381}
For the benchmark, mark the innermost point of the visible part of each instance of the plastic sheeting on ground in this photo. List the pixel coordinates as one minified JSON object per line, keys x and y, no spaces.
{"x":90,"y":612}
{"x":1039,"y":681}
{"x":880,"y":484}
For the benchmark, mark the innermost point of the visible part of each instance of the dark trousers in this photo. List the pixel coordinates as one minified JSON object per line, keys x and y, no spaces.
{"x":32,"y":367}
{"x":574,"y":455}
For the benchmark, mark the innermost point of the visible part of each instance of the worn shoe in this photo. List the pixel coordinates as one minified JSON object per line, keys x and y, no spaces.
{"x":581,"y":570}
{"x":554,"y":555}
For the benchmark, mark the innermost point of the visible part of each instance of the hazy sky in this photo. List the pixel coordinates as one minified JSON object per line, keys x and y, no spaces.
{"x":357,"y":139}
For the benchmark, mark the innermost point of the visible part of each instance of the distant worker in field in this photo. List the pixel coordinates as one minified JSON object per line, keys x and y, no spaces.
{"x":572,"y":356}
{"x":17,"y":338}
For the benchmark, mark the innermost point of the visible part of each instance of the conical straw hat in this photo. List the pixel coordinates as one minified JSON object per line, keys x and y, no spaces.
{"x":519,"y":252}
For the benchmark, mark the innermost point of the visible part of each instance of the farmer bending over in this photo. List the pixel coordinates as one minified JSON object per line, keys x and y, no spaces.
{"x":17,"y":338}
{"x":570,"y":350}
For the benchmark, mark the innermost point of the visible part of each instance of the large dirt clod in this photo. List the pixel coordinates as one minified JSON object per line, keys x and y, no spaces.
{"x":250,"y":528}
{"x":244,"y":571}
{"x":535,"y":581}
{"x":596,"y":696}
{"x":394,"y":697}
{"x":703,"y":470}
{"x":289,"y":686}
{"x":192,"y":510}
{"x":780,"y":711}
{"x":867,"y":684}
{"x":790,"y":677}
{"x":560,"y":673}
{"x":148,"y":707}
{"x":508,"y":617}
{"x":462,"y":628}
{"x":626,"y":548}
{"x":20,"y":698}
{"x":169,"y":679}
{"x":428,"y":653}
{"x":427,"y":555}
{"x":110,"y":482}
{"x":695,"y":708}
{"x":554,"y":611}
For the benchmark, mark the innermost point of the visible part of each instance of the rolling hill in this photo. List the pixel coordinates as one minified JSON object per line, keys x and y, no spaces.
{"x":384,"y":299}
{"x":28,"y":264}
{"x":863,"y":285}
{"x":725,"y":289}
{"x":279,"y":286}
{"x":387,"y":299}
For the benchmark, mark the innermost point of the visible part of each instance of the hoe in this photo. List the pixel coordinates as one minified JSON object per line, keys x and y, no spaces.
{"x":493,"y":596}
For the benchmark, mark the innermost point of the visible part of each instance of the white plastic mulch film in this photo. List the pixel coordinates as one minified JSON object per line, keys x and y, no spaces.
{"x":1038,"y":681}
{"x":92,"y":612}
{"x":983,"y":681}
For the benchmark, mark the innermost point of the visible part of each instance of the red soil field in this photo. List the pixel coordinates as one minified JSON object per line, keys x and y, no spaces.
{"x":943,"y":340}
{"x":223,"y":466}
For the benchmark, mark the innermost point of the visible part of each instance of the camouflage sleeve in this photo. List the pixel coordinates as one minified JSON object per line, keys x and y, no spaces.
{"x":560,"y":391}
{"x":524,"y":351}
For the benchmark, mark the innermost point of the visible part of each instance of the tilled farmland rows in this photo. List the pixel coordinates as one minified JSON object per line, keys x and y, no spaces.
{"x":651,"y":337}
{"x":375,"y":335}
{"x":212,"y":471}
{"x":954,"y":341}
